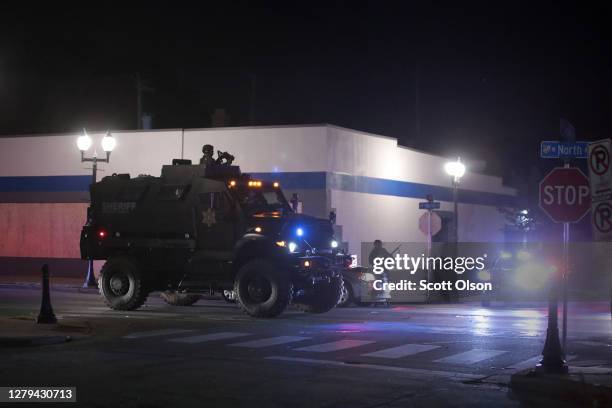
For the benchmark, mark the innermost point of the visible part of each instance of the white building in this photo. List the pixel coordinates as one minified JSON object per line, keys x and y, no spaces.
{"x":373,"y":184}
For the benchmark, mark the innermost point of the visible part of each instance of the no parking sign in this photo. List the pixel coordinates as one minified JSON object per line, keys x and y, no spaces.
{"x":600,"y":176}
{"x":602,"y":217}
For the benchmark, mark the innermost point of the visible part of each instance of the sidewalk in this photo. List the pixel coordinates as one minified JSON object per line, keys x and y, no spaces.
{"x":583,"y":386}
{"x":36,"y":280}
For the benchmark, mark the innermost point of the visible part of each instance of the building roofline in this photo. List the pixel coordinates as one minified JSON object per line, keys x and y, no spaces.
{"x":229,"y":128}
{"x":76,"y":132}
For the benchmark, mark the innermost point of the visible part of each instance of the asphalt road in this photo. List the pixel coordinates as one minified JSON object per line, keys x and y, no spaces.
{"x":210,"y":354}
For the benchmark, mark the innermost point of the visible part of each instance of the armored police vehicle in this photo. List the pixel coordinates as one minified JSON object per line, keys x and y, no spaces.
{"x":208,"y":227}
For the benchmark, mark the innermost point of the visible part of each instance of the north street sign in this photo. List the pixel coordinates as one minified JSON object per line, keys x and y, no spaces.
{"x":565,"y":194}
{"x":429,"y":205}
{"x":554,"y":149}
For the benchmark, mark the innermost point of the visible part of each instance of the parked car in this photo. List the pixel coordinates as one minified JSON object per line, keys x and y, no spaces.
{"x":359,"y":288}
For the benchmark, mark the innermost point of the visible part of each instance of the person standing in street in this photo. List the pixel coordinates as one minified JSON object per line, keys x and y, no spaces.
{"x":380,"y":252}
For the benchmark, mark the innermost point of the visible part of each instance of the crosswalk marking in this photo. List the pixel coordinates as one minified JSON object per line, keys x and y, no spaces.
{"x":402,"y":351}
{"x":419,"y":373}
{"x":155,"y":333}
{"x":463,"y":358}
{"x":334,"y":346}
{"x":470,"y":357}
{"x":209,"y":337}
{"x":592,"y":343}
{"x":271,"y":341}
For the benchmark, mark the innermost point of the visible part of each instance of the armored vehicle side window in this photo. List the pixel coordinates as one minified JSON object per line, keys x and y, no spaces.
{"x":132,"y":192}
{"x":173,"y":192}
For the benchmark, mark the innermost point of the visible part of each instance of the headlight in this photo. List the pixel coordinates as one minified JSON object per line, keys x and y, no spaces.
{"x":299,"y":232}
{"x":523,"y":255}
{"x":334,"y":243}
{"x":292,"y":247}
{"x":534,"y":275}
{"x":484,"y":275}
{"x":367,"y":277}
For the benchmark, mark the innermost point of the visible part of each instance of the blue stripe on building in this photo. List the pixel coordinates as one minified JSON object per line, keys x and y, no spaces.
{"x":289,"y":180}
{"x":44,"y":183}
{"x":372,"y":185}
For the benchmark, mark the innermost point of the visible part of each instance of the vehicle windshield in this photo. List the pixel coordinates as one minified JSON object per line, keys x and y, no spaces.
{"x":262,"y":201}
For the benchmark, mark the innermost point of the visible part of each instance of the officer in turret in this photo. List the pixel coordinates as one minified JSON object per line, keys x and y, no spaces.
{"x":207,"y":155}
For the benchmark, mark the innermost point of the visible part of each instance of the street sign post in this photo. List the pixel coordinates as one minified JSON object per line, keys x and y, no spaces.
{"x":554,"y":149}
{"x":600,"y":172}
{"x":430,"y":224}
{"x":565,"y":197}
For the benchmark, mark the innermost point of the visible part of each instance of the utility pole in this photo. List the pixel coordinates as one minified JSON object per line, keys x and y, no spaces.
{"x":252,"y":100}
{"x":417,"y":103}
{"x":138,"y":101}
{"x":140,"y":87}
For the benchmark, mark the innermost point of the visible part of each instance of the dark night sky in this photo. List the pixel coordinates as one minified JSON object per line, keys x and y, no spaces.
{"x":493,"y":81}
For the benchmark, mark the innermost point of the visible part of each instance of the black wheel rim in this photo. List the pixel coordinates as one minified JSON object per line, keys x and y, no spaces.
{"x":119,"y":284}
{"x":259,"y":289}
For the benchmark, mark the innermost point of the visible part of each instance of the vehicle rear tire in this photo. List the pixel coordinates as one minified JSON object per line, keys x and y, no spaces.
{"x":323,"y":297}
{"x":347,"y":296}
{"x":261,"y":289}
{"x":121,"y":284}
{"x":175,"y":298}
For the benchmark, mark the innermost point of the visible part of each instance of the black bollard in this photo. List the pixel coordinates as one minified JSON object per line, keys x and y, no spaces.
{"x":553,"y":361}
{"x":46,"y":315}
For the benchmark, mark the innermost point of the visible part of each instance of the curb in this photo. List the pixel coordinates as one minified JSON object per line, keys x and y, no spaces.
{"x":7,"y":342}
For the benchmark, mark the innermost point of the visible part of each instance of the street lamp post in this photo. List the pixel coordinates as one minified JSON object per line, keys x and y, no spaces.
{"x":456,"y":170}
{"x":84,"y":142}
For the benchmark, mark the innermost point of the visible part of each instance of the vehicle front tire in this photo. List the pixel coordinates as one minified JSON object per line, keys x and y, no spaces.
{"x":121,"y":284}
{"x":347,"y":296}
{"x":261,"y":289}
{"x":175,"y":298}
{"x":323,"y":297}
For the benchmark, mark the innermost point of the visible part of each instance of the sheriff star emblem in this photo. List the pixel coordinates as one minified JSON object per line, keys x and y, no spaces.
{"x":208,"y":217}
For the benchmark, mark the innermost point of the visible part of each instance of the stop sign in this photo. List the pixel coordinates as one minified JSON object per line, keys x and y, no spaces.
{"x":565,"y":194}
